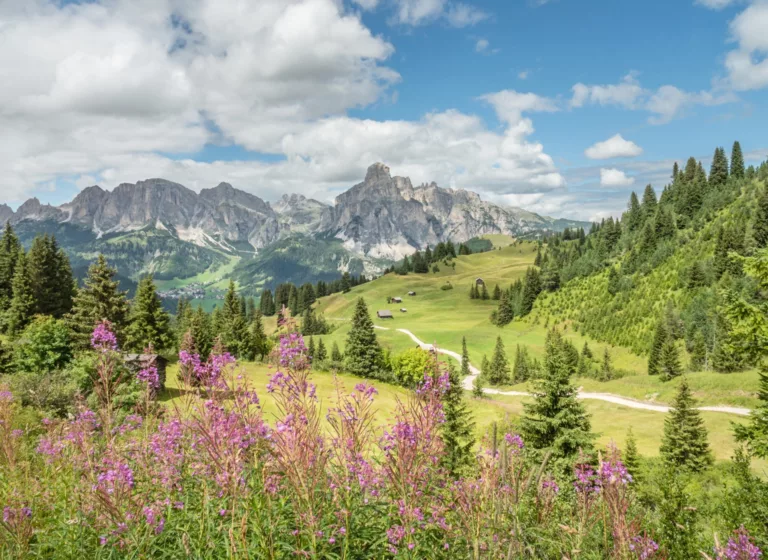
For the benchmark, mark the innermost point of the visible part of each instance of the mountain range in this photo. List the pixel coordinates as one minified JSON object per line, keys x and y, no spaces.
{"x":163,"y":227}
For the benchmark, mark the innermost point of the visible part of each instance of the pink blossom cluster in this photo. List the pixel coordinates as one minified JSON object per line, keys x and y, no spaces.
{"x":103,"y":338}
{"x":739,"y":547}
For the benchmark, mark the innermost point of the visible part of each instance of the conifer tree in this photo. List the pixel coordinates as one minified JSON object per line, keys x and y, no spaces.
{"x":718,"y":173}
{"x":259,"y":337}
{"x":660,"y":337}
{"x":322,"y":353}
{"x":346,"y":284}
{"x":311,"y":350}
{"x":755,"y":433}
{"x":505,"y":313}
{"x":336,"y":356}
{"x":669,"y":361}
{"x":250,"y":312}
{"x":200,"y":331}
{"x":51,"y":276}
{"x":472,"y":292}
{"x":465,"y":371}
{"x":606,"y":371}
{"x":477,"y":386}
{"x":485,"y":368}
{"x":22,"y":306}
{"x":267,"y":303}
{"x":760,"y":228}
{"x":634,"y":215}
{"x":531,"y":290}
{"x":630,"y":456}
{"x":458,"y":427}
{"x":521,"y":370}
{"x":684,"y":444}
{"x":690,"y":171}
{"x":698,"y":352}
{"x":149,"y":323}
{"x":556,"y":420}
{"x":484,"y":294}
{"x":9,"y":255}
{"x":232,"y":326}
{"x":499,"y":368}
{"x":98,"y":300}
{"x":649,"y":202}
{"x":737,"y":161}
{"x":363,"y":355}
{"x":497,"y":293}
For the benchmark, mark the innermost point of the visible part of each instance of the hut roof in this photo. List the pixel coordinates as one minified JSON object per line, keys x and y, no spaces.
{"x":384,"y":313}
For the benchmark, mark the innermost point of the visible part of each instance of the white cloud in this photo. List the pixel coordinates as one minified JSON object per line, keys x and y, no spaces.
{"x":715,"y":4}
{"x":367,"y":4}
{"x":481,"y":45}
{"x":615,"y":178}
{"x":615,"y":146}
{"x":464,"y":15}
{"x":420,"y":12}
{"x":625,"y":94}
{"x":665,"y":104}
{"x":523,"y":75}
{"x":510,"y":105}
{"x":747,"y":66}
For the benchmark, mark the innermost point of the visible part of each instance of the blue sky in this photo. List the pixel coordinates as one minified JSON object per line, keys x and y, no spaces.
{"x":504,"y":98}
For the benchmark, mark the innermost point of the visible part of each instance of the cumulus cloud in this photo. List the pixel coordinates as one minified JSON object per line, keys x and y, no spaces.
{"x":420,"y":12}
{"x":747,"y":66}
{"x":510,"y":105}
{"x":715,"y":4}
{"x":665,"y":104}
{"x":615,"y":178}
{"x":615,"y":146}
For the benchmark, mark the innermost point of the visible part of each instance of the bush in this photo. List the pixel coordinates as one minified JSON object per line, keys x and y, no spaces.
{"x":51,"y":392}
{"x":409,"y":366}
{"x":45,"y":345}
{"x":447,"y":286}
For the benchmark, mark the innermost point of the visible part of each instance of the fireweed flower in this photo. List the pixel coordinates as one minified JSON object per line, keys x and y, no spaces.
{"x":643,"y":547}
{"x":515,"y":442}
{"x":150,"y":377}
{"x":739,"y":547}
{"x":613,"y":471}
{"x":103,"y":339}
{"x":587,"y":481}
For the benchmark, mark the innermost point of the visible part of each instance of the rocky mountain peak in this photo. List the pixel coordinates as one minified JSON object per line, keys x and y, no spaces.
{"x":5,"y":214}
{"x":377,"y":172}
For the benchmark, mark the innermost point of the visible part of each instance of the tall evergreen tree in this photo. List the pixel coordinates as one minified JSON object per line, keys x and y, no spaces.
{"x":650,"y":202}
{"x":669,"y":361}
{"x":363,"y":355}
{"x":9,"y":255}
{"x":698,"y":352}
{"x":23,"y":305}
{"x":606,"y":371}
{"x":531,"y":290}
{"x":556,"y":420}
{"x":505,"y":313}
{"x":634,"y":215}
{"x":684,"y":444}
{"x":311,"y":350}
{"x":499,"y":373}
{"x":760,"y":228}
{"x":51,"y":276}
{"x":233,"y":327}
{"x":484,"y":293}
{"x":458,"y":427}
{"x":322,"y":353}
{"x":201,"y":333}
{"x":660,"y":337}
{"x":336,"y":356}
{"x":99,"y":299}
{"x":718,"y":173}
{"x":630,"y":456}
{"x":149,"y":323}
{"x":496,"y":293}
{"x":755,"y":433}
{"x":465,"y":371}
{"x":267,"y":303}
{"x":737,"y":161}
{"x":521,"y":371}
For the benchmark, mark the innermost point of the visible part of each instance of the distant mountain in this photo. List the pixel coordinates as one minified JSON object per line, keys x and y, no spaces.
{"x":163,"y":227}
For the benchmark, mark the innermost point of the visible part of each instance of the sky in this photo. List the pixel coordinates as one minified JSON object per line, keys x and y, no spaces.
{"x":562,"y":107}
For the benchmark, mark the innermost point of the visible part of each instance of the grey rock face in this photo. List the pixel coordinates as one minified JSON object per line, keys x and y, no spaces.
{"x":300,"y":214}
{"x":5,"y":214}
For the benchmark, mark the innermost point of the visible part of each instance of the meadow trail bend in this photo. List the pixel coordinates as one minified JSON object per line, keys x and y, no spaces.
{"x":607,"y":397}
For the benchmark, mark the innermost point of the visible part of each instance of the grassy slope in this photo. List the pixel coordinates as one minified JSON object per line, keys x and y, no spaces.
{"x":609,"y":421}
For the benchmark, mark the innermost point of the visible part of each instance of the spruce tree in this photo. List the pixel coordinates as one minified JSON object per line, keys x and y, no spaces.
{"x":267,"y":303}
{"x":149,"y":323}
{"x":51,"y":276}
{"x":484,"y":294}
{"x":698,"y":352}
{"x":233,"y":327}
{"x":718,"y":173}
{"x":22,"y":306}
{"x":322,"y":353}
{"x":634,"y":215}
{"x":556,"y":420}
{"x":259,"y":337}
{"x":505,"y":314}
{"x":477,"y":386}
{"x":98,"y":300}
{"x":485,"y":368}
{"x":200,"y":330}
{"x":9,"y":255}
{"x":737,"y":161}
{"x":649,"y":202}
{"x":669,"y":361}
{"x":660,"y":337}
{"x":465,"y":371}
{"x":499,"y":373}
{"x":496,"y":293}
{"x":336,"y":356}
{"x":531,"y":290}
{"x":755,"y":433}
{"x":311,"y":350}
{"x":363,"y":355}
{"x":458,"y":427}
{"x":684,"y":444}
{"x":521,"y":370}
{"x":760,"y":228}
{"x":606,"y":371}
{"x":472,"y":292}
{"x":631,"y":457}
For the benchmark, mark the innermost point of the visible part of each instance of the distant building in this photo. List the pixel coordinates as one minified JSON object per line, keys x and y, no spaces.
{"x":411,"y":293}
{"x":397,"y":300}
{"x":385,"y":314}
{"x":137,"y":362}
{"x":480,"y":282}
{"x":403,"y":310}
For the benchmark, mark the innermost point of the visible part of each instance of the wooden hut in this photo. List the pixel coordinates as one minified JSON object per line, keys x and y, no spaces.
{"x":138,"y":362}
{"x":384,"y":314}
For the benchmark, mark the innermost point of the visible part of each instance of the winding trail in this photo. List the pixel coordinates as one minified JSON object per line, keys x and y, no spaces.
{"x":607,"y":397}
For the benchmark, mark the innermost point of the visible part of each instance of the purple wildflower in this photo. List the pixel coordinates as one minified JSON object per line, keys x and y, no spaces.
{"x":739,"y":547}
{"x":103,"y":339}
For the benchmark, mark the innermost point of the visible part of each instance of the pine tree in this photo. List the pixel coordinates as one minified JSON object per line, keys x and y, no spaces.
{"x":737,"y":161}
{"x":477,"y":386}
{"x":690,"y":171}
{"x":606,"y":371}
{"x":336,"y":356}
{"x":346,"y":285}
{"x":200,"y":330}
{"x":531,"y":290}
{"x":684,"y":443}
{"x":755,"y":434}
{"x":363,"y":355}
{"x":311,"y":350}
{"x":465,"y":371}
{"x":267,"y":303}
{"x":458,"y":427}
{"x":660,"y":337}
{"x":521,"y":371}
{"x":631,"y":456}
{"x":505,"y":314}
{"x":250,"y":311}
{"x":472,"y":292}
{"x":258,"y":336}
{"x":698,"y":352}
{"x":100,"y":299}
{"x":669,"y":362}
{"x":484,"y":294}
{"x":485,"y":368}
{"x":149,"y":323}
{"x":51,"y":275}
{"x":499,"y":369}
{"x":322,"y":353}
{"x":22,"y":306}
{"x":760,"y":228}
{"x":718,"y":173}
{"x":556,"y":420}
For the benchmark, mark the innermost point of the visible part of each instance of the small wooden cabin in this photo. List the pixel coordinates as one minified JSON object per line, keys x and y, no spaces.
{"x":403,"y":310}
{"x":411,"y":293}
{"x":397,"y":300}
{"x":385,"y":314}
{"x":136,"y":362}
{"x":480,"y":282}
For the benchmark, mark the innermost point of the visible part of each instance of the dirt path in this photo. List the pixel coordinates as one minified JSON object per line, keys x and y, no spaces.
{"x":607,"y":397}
